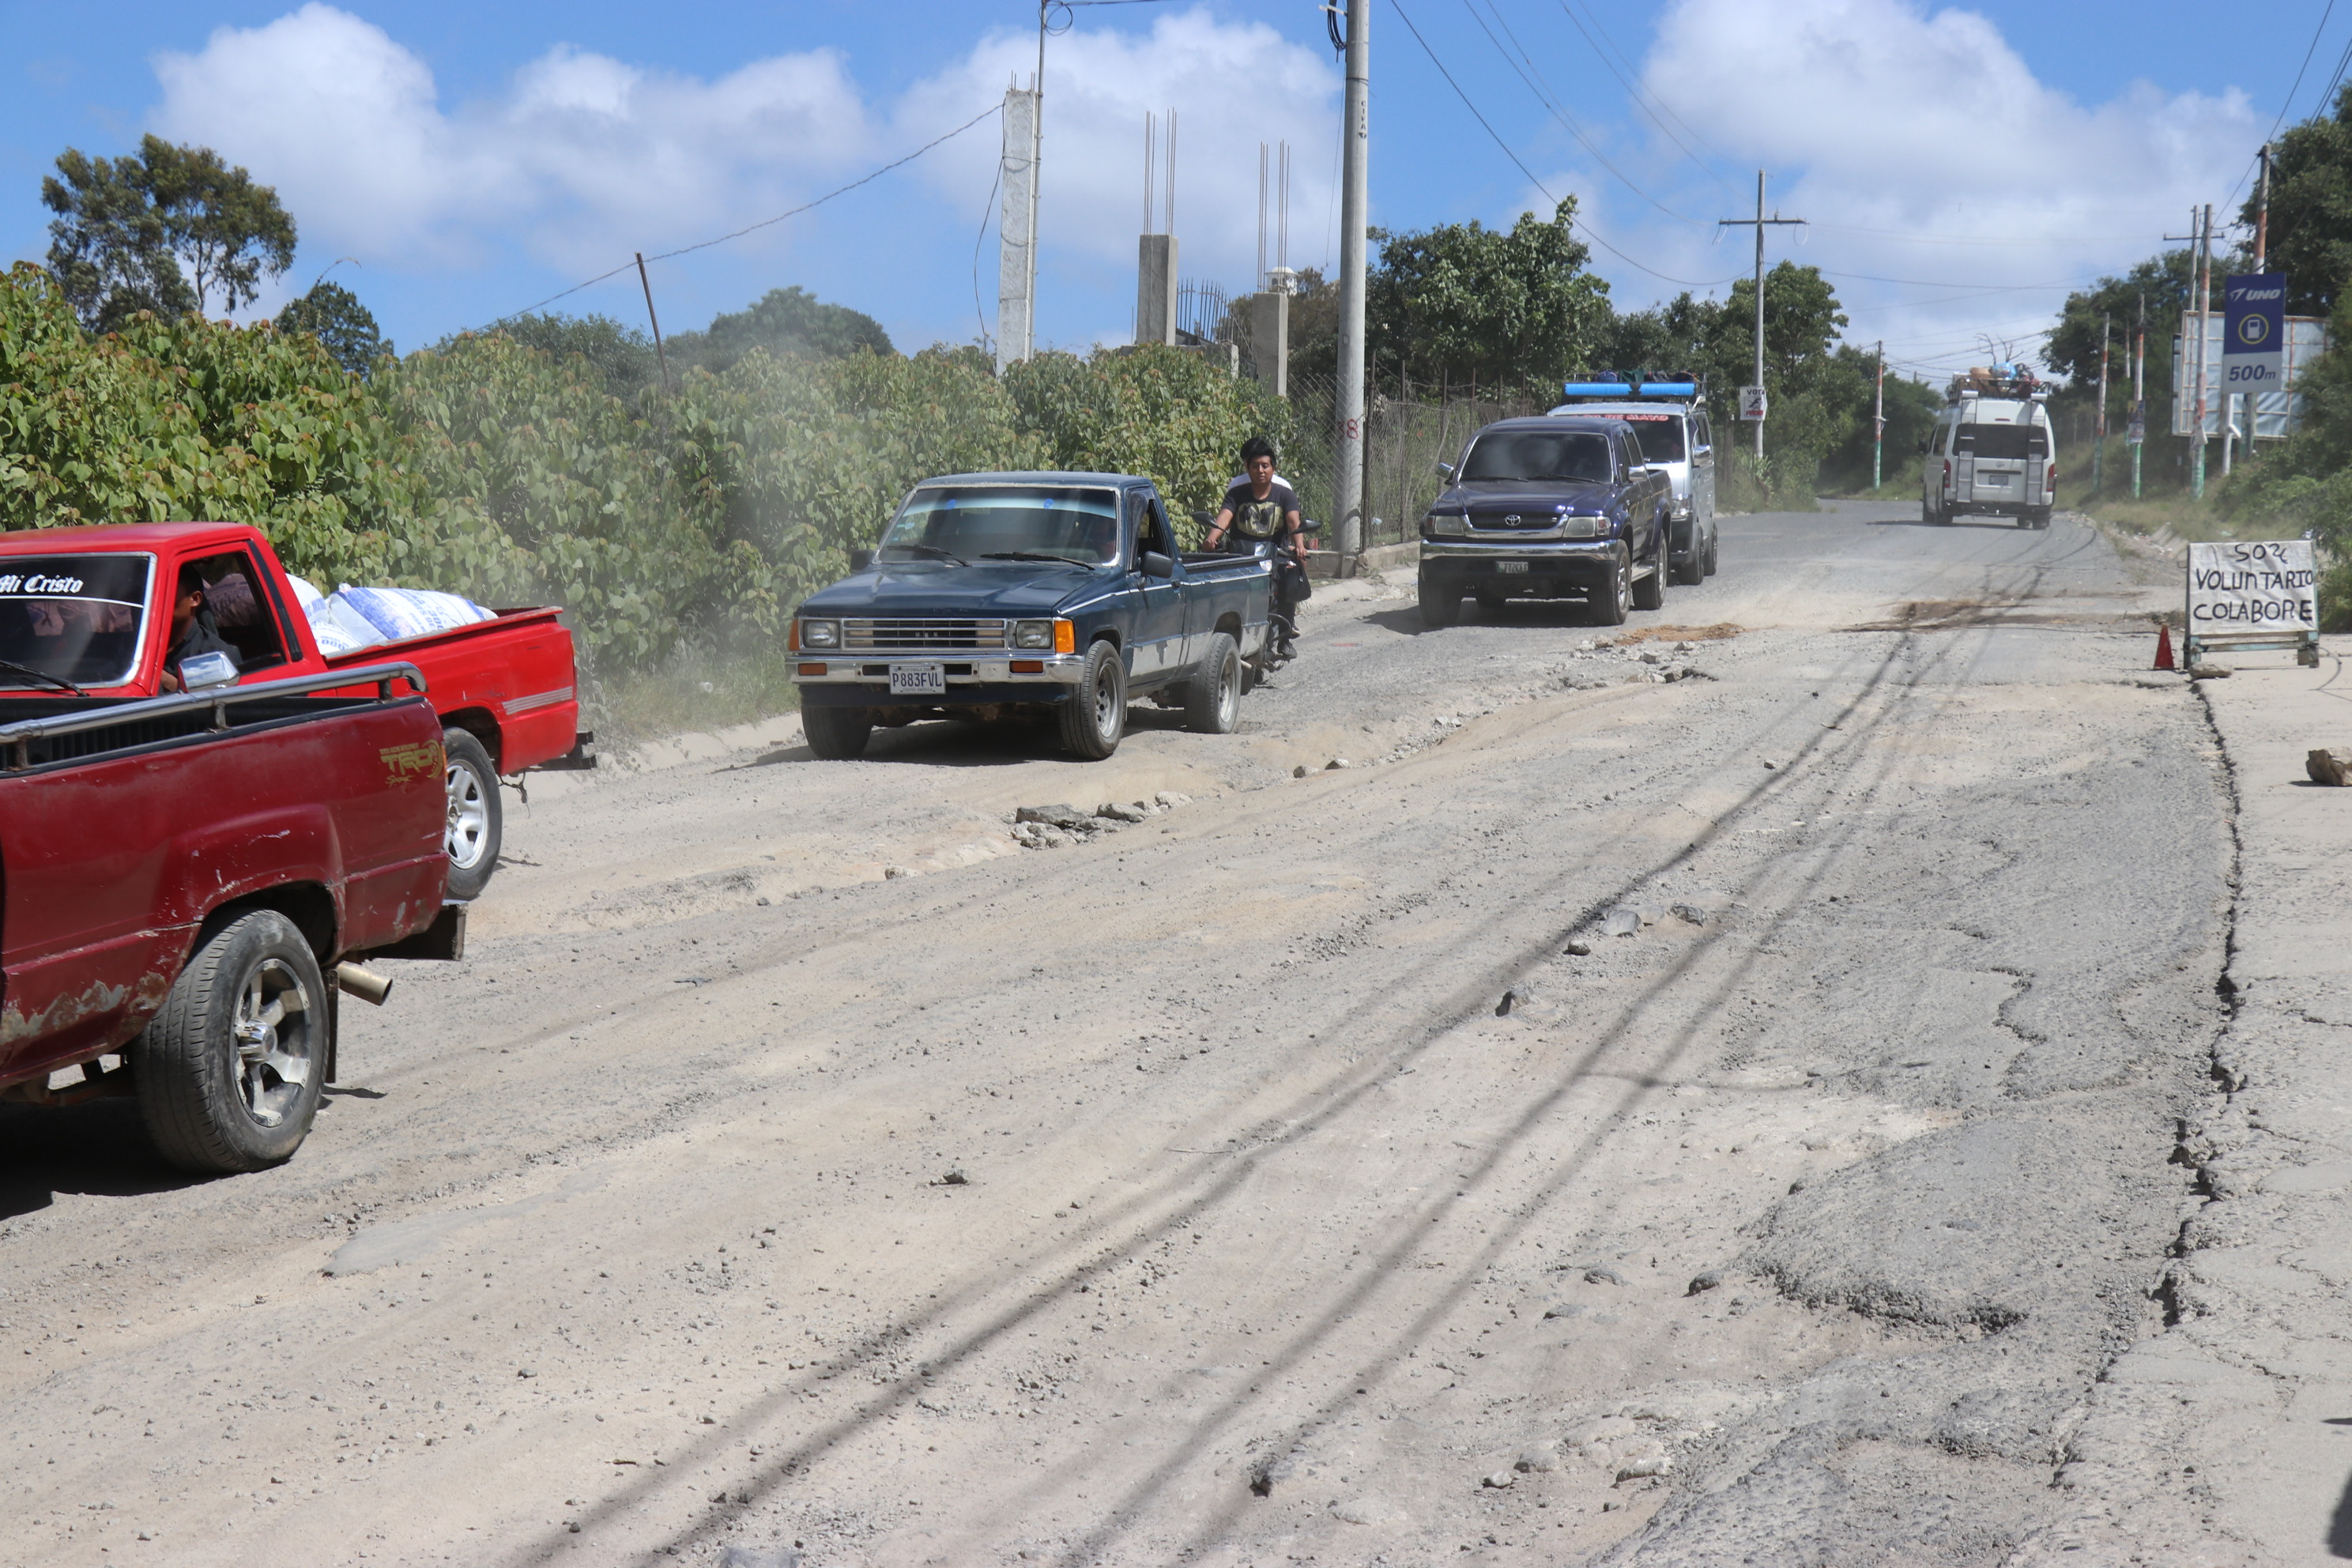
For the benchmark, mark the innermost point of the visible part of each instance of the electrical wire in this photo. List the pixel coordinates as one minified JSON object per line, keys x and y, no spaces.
{"x":1640,"y":101}
{"x":768,"y":222}
{"x":1627,"y":61}
{"x":1397,"y":6}
{"x":1545,"y":96}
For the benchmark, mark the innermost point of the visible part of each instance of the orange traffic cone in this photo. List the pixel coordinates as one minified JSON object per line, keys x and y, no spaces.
{"x":2164,"y":647}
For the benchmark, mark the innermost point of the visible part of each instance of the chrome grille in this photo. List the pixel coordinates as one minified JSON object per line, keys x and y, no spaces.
{"x":1515,"y":521}
{"x":925,"y":636}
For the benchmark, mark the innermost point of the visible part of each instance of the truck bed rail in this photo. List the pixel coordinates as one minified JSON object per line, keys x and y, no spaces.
{"x":155,"y":715}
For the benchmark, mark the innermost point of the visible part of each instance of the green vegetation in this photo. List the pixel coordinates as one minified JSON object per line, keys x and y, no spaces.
{"x":344,"y":328}
{"x":679,"y":529}
{"x":168,"y":230}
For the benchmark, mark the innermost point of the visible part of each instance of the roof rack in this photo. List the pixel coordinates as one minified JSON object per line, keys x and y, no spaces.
{"x":1626,"y":384}
{"x":2002,"y":378}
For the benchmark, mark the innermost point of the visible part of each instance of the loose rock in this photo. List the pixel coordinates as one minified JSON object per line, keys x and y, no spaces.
{"x":1367,"y":1510}
{"x":1068,"y":817}
{"x":2329,"y":766}
{"x":1299,"y":772}
{"x":1337,"y":763}
{"x":1121,"y":811}
{"x":1578,"y":948}
{"x":1705,"y":1282}
{"x":1169,"y":800}
{"x":1602,"y":1274}
{"x":1690,"y":912}
{"x":1498,"y":1479}
{"x":955,"y":1178}
{"x":1563,"y":1309}
{"x":1531,"y":1461}
{"x":1621,"y":922}
{"x":892,"y":873}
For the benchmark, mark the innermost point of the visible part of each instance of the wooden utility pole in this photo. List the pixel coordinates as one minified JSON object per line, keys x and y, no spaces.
{"x":2139,"y":390}
{"x":1878,"y":422}
{"x":2204,"y":310}
{"x":660,"y":353}
{"x":1761,"y":222}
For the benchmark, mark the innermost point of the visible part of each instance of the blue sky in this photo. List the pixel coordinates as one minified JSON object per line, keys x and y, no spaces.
{"x":1961,"y":167}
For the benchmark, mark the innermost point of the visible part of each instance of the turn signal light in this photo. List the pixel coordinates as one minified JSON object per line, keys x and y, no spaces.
{"x":1066,"y":637}
{"x":814,"y":669}
{"x":1028,"y":666}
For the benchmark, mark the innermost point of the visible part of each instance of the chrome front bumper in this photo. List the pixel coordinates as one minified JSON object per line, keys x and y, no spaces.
{"x":993,"y":669}
{"x":1579,"y":551}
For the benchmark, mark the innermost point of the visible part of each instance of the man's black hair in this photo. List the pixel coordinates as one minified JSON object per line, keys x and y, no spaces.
{"x":1253,"y":449}
{"x":192,"y":580}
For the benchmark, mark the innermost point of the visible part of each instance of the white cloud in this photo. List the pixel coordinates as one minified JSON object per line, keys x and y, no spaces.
{"x":583,"y":156}
{"x":1923,"y":146}
{"x":1234,"y":85}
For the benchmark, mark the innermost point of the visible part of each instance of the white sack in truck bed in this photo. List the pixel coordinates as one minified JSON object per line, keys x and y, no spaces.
{"x":352,"y":618}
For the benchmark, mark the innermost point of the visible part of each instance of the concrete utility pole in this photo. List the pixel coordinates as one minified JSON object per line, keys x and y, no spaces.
{"x":1761,"y":222}
{"x":2139,"y":390}
{"x":1878,"y":422}
{"x":1355,"y":199}
{"x":1016,"y":271}
{"x":2263,"y":212}
{"x":2099,"y":427}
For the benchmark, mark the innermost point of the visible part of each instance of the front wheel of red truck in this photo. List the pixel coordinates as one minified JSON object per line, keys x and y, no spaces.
{"x":475,"y":823}
{"x":229,"y":1070}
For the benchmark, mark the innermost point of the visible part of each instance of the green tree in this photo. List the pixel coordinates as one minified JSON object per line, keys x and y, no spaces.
{"x":1465,"y":304}
{"x":620,"y":354}
{"x":2311,"y":209}
{"x":345,"y":327}
{"x":168,"y":230}
{"x":787,"y":323}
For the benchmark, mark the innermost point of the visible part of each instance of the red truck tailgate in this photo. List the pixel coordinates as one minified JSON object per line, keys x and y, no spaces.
{"x":517,"y":670}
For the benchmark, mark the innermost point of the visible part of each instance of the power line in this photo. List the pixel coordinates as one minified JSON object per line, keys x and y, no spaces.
{"x":1640,"y":102}
{"x":1397,"y":6}
{"x":1545,"y":96}
{"x":768,"y":222}
{"x":2309,"y":50}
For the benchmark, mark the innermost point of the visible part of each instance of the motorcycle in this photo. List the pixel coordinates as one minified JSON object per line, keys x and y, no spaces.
{"x":1292,"y":589}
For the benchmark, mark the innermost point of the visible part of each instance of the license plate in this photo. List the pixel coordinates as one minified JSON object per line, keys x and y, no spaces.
{"x":1519,"y":567}
{"x":919,"y":680}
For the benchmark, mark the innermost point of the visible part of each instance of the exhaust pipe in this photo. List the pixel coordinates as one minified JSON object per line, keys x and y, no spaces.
{"x":364,"y":984}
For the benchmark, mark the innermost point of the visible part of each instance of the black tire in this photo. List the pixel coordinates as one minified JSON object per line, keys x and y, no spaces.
{"x":1440,"y":603}
{"x":1692,"y":571}
{"x":838,"y":734}
{"x":1213,"y":698}
{"x":223,"y":1085}
{"x":476,"y":821}
{"x":1094,"y":718}
{"x":1713,"y":539}
{"x":2040,"y":517}
{"x":1611,"y":601}
{"x":1650,"y":592}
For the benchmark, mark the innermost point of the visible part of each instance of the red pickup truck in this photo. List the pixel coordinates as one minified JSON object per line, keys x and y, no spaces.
{"x":185,"y":879}
{"x":90,"y":609}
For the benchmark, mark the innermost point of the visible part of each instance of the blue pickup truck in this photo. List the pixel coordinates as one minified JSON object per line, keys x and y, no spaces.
{"x":1548,"y":508}
{"x":1025,"y":596}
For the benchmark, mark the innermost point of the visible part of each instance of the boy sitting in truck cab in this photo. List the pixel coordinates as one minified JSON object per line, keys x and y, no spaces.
{"x":193,"y":631}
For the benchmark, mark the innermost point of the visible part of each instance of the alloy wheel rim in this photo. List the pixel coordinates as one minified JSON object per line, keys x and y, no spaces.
{"x":468,"y":827}
{"x":273,"y":1036}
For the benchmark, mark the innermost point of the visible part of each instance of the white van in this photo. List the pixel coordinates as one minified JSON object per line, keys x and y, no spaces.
{"x":1989,"y":456}
{"x":1675,"y":437}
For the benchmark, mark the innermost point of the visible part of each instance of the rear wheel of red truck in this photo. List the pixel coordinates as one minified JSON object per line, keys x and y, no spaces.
{"x":475,"y":823}
{"x":228,"y":1071}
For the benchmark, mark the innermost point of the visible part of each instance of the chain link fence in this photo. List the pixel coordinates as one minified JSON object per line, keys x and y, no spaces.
{"x":1404,"y":440}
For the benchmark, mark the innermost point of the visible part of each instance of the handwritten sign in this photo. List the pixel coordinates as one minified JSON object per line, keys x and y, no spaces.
{"x":2253,"y":587}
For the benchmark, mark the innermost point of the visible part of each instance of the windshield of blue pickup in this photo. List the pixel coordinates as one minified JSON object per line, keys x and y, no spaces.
{"x":978,"y":523}
{"x":78,"y":617}
{"x":1580,"y":456}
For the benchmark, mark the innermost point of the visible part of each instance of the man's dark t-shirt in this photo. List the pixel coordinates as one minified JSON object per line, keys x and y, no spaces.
{"x":1256,"y":520}
{"x":200,"y":635}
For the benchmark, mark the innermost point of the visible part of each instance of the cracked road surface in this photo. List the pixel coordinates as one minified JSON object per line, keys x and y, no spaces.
{"x":1194,"y":1193}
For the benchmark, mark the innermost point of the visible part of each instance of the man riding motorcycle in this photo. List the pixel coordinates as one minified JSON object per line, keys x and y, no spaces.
{"x":1259,"y":516}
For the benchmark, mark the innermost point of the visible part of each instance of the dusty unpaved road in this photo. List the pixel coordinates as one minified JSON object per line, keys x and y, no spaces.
{"x":1193,"y":1194}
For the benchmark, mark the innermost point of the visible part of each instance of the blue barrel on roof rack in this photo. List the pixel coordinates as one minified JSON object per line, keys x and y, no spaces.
{"x":1619,"y":384}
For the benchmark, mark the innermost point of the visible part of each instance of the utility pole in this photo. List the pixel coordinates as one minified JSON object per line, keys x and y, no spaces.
{"x":1878,"y":422}
{"x":2139,"y":390}
{"x":2099,"y":429}
{"x":1355,"y":198}
{"x":2200,"y":258}
{"x":659,"y":353}
{"x":1036,"y":179}
{"x":1761,"y":222}
{"x":2263,"y":212}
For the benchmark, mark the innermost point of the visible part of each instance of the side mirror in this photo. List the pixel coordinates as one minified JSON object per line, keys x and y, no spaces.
{"x":208,"y":669}
{"x":859,"y":560}
{"x":1445,"y":469}
{"x":1204,"y":518}
{"x":1308,"y":526}
{"x":1154,"y":565}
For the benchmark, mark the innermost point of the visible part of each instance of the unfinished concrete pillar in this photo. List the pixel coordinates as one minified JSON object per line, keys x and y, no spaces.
{"x":1155,"y":289}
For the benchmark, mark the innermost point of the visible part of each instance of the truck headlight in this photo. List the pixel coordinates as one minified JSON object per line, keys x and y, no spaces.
{"x":1033,"y":633}
{"x":1447,"y":525}
{"x":1583,"y":527}
{"x":820,"y":633}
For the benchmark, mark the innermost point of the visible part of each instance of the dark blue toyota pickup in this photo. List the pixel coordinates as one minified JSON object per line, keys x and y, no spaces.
{"x":1548,"y":508}
{"x":1029,"y":594}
